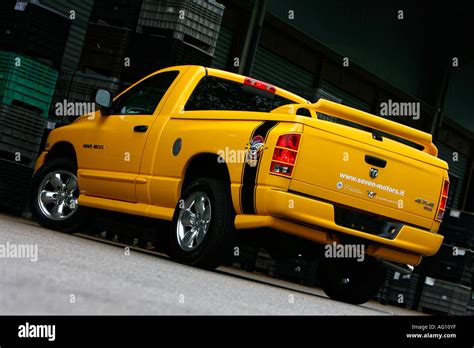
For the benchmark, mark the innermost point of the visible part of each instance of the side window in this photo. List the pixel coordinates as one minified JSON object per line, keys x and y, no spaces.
{"x":144,"y":97}
{"x":214,"y":93}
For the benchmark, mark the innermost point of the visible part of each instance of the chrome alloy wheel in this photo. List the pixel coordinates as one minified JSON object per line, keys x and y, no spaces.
{"x":193,"y":221}
{"x":57,"y":195}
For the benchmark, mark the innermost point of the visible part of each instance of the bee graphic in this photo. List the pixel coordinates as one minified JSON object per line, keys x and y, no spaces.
{"x":253,"y":150}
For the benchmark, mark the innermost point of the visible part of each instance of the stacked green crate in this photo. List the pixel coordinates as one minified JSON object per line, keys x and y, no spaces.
{"x":21,"y":131}
{"x":26,"y":82}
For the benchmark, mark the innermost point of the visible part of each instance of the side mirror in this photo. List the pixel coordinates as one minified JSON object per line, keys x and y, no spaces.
{"x":103,"y":98}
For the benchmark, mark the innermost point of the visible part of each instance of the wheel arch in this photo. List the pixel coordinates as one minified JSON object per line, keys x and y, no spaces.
{"x":202,"y":165}
{"x":62,"y":149}
{"x":208,"y":164}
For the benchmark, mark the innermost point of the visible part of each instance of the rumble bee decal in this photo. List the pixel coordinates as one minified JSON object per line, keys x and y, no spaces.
{"x":253,"y":152}
{"x":254,"y":148}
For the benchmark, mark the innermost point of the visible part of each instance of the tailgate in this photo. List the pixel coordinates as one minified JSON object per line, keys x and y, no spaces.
{"x":337,"y":164}
{"x":351,"y":167}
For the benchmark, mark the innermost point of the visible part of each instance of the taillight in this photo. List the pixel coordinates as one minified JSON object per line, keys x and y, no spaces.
{"x":284,"y":155}
{"x":260,"y":85}
{"x":289,"y":141}
{"x":443,"y":201}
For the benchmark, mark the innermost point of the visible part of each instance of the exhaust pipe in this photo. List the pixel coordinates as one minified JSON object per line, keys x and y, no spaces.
{"x":403,"y":269}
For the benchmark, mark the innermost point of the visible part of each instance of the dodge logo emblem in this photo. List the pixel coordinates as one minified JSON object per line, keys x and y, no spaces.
{"x":373,"y":173}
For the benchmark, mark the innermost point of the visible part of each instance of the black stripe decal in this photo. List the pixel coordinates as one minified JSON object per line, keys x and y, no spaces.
{"x":249,"y":177}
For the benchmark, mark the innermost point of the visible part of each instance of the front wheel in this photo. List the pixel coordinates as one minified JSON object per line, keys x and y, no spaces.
{"x":202,"y":230}
{"x":350,"y":281}
{"x":54,"y":194}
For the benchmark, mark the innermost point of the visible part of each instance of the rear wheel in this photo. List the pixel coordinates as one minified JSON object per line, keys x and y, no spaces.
{"x":202,"y":230}
{"x":351,"y":281}
{"x":54,"y":195}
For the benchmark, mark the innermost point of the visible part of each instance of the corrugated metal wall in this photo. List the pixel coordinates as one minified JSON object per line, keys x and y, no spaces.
{"x":328,"y":91}
{"x":221,"y":54}
{"x":368,"y":34}
{"x":271,"y":68}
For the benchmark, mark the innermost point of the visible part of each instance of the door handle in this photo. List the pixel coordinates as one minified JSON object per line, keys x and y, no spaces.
{"x":140,"y":129}
{"x":375,"y":161}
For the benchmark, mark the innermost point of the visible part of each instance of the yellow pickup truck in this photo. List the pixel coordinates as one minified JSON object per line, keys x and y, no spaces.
{"x":214,"y":153}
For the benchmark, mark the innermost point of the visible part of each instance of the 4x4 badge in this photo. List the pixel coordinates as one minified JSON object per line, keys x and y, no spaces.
{"x":373,"y":173}
{"x":426,"y":204}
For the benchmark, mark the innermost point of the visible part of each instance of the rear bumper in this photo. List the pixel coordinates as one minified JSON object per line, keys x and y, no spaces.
{"x":314,"y":220}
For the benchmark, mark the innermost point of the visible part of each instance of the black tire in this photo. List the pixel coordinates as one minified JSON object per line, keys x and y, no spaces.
{"x":216,"y":246}
{"x":78,"y":220}
{"x":350,"y":281}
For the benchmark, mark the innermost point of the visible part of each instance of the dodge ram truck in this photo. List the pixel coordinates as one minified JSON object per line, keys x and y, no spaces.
{"x":215,"y":153}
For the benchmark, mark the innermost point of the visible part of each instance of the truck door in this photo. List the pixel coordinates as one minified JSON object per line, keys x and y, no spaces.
{"x":113,"y":148}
